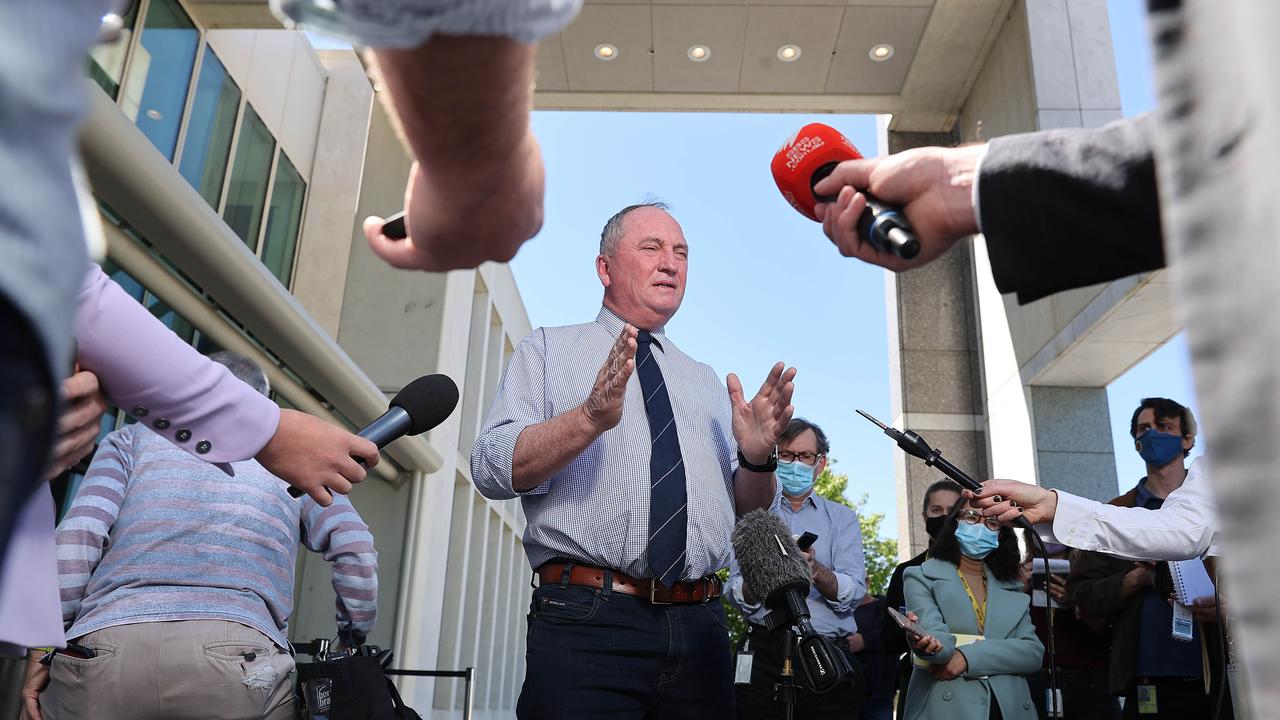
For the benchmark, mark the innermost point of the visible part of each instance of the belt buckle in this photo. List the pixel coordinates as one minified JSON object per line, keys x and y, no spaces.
{"x":653,"y":588}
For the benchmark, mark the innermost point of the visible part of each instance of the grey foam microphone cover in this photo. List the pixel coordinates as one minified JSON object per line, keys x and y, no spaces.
{"x":770,"y":561}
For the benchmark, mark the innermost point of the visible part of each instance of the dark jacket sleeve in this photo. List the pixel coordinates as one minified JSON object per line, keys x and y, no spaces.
{"x":1068,"y":208}
{"x":892,"y":637}
{"x":1094,"y":585}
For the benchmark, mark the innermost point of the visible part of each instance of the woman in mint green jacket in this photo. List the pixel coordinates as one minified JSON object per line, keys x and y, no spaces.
{"x":981,"y":642}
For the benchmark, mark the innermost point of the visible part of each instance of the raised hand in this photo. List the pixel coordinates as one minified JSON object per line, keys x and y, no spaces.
{"x":934,"y":187}
{"x":1010,"y":499}
{"x":315,"y":456}
{"x":758,"y":424}
{"x":603,"y":407}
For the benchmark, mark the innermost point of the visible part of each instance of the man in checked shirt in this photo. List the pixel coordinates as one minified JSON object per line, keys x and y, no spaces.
{"x":630,"y":459}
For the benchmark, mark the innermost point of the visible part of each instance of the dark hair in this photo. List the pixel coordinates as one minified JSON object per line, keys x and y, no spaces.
{"x":245,"y":369}
{"x":611,"y":233}
{"x":1164,"y":408}
{"x":943,"y":484}
{"x":799,"y":425}
{"x":1003,"y":561}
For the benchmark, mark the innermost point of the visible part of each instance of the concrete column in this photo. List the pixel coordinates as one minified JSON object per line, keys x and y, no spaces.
{"x":1073,"y":440}
{"x":934,"y":370}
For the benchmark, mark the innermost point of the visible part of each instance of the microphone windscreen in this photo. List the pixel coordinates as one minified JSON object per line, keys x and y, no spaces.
{"x":814,"y":147}
{"x":429,"y":400}
{"x":770,"y":561}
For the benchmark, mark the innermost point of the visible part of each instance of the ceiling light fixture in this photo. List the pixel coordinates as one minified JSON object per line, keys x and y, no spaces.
{"x":880,"y":53}
{"x":699,"y":53}
{"x":789,"y":53}
{"x":605,"y":51}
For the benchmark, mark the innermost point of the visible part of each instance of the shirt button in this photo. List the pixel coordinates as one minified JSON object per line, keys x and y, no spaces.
{"x":947,"y":695}
{"x":182,"y":435}
{"x":162,"y":424}
{"x":139,"y":411}
{"x":203,"y":447}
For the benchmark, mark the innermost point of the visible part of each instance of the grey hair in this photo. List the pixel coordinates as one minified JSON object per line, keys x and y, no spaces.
{"x":245,"y":369}
{"x":612,"y":231}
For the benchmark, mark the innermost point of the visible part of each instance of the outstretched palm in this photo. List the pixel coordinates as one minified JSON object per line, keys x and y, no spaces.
{"x":758,"y":424}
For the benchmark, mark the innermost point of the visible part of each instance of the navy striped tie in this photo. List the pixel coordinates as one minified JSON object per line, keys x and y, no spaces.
{"x":668,"y":501}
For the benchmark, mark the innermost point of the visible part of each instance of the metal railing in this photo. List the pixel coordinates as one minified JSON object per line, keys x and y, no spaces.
{"x":468,"y":674}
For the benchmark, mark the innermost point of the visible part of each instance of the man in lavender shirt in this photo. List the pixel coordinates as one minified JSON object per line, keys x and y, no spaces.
{"x":178,"y":581}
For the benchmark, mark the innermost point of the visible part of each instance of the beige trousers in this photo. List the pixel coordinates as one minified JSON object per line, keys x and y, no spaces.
{"x":191,"y":669}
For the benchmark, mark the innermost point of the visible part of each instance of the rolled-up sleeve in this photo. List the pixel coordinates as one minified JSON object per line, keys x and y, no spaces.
{"x":409,"y":23}
{"x":519,"y":403}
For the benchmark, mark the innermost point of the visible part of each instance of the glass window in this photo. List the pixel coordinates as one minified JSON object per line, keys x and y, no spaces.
{"x":284,"y":216}
{"x":106,"y":60}
{"x":207,"y":146}
{"x":155,"y":92}
{"x":248,"y":191}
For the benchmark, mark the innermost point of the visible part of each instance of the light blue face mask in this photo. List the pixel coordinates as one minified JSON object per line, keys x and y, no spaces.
{"x":976,"y":540}
{"x":796,"y":477}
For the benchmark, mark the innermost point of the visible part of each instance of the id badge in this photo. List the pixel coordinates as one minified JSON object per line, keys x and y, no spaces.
{"x":742,"y":673}
{"x":1183,"y":623}
{"x":1147,"y":704}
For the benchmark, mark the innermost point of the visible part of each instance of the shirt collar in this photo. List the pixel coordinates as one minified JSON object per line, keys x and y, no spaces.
{"x":780,"y":499}
{"x":613,"y":324}
{"x":1142,"y":495}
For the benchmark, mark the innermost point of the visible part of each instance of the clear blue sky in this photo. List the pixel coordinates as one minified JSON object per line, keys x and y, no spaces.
{"x":764,"y":283}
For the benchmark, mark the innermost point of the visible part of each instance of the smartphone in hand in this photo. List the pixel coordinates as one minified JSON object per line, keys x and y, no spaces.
{"x":806,"y":540}
{"x":911,"y":627}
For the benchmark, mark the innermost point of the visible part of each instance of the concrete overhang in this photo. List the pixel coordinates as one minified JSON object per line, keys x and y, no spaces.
{"x":1090,"y":336}
{"x":938,"y":48}
{"x":240,"y":14}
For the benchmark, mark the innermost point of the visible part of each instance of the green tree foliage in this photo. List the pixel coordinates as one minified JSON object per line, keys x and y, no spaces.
{"x":881,"y":552}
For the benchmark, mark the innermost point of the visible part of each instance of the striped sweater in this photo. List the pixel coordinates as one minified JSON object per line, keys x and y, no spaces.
{"x":155,"y":534}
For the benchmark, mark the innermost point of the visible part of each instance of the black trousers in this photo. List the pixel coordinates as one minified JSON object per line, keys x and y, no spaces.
{"x":759,"y":700}
{"x":1176,"y":699}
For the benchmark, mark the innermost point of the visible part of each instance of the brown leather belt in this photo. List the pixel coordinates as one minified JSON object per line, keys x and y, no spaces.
{"x":684,"y":591}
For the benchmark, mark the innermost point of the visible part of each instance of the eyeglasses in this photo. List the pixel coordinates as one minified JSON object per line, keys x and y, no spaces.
{"x":804,"y":456}
{"x":973,"y":517}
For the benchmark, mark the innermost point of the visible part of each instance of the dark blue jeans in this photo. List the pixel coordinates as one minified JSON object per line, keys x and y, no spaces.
{"x":26,"y":417}
{"x":601,"y":654}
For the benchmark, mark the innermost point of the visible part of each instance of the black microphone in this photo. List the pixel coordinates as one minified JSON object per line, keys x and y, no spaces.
{"x":910,"y":442}
{"x":418,"y":407}
{"x":775,"y":570}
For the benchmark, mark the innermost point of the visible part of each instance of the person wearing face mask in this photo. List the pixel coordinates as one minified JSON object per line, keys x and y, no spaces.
{"x":941,"y":496}
{"x":968,"y":597}
{"x":1160,"y":677}
{"x":839,"y":584}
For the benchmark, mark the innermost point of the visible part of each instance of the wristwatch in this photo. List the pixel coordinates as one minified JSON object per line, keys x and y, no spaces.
{"x":769,"y":465}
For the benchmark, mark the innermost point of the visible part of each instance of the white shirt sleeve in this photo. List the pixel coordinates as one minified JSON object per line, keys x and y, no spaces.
{"x":1184,"y":527}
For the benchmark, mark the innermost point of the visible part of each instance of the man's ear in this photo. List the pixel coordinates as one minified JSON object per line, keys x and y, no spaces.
{"x":602,"y":270}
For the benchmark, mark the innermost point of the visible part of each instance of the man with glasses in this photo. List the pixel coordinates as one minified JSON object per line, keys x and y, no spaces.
{"x":839,"y":583}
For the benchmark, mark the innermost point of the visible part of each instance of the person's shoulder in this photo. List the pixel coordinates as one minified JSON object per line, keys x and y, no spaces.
{"x":836,"y":510}
{"x":935,"y":569}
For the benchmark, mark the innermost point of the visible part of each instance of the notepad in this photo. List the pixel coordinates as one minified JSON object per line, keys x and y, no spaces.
{"x":1190,"y":580}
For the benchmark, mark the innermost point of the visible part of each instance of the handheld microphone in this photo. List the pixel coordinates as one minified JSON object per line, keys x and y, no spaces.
{"x":775,"y":570}
{"x":418,"y":407}
{"x":811,"y":155}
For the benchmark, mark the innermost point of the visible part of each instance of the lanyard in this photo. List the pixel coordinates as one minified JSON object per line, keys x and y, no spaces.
{"x":979,"y":612}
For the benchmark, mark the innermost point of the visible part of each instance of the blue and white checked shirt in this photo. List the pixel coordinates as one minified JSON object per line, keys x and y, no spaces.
{"x":409,"y":23}
{"x":596,"y":510}
{"x":839,"y":547}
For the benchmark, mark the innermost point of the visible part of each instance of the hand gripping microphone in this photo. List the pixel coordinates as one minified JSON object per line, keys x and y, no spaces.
{"x":809,"y":156}
{"x":418,"y":407}
{"x":775,"y":570}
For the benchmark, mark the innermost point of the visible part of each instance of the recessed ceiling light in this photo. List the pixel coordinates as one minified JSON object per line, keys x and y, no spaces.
{"x":154,"y":114}
{"x":699,"y":53}
{"x":880,"y":53}
{"x":605,"y":51}
{"x":789,"y":53}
